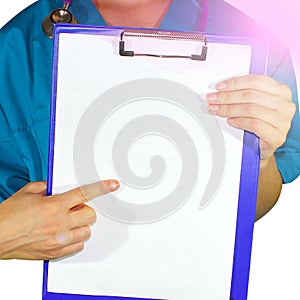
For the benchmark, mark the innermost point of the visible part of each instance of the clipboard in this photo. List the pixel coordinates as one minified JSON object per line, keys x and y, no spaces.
{"x":250,"y":152}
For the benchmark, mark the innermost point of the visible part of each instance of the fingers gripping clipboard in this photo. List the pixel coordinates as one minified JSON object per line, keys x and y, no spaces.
{"x":130,"y":104}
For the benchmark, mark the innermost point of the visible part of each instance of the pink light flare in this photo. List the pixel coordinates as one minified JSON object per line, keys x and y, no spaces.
{"x":281,"y":18}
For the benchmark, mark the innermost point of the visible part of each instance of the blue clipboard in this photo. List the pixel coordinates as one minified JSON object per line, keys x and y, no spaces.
{"x":248,"y":178}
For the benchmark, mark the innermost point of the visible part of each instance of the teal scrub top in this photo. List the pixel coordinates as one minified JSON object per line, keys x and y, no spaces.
{"x":25,"y":82}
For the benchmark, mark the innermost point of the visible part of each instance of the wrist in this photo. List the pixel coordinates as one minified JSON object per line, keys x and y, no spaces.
{"x":265,"y":163}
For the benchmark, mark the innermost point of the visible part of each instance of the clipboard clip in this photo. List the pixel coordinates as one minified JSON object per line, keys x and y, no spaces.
{"x":163,"y":35}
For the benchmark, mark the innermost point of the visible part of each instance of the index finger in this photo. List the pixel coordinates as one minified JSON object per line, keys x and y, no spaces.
{"x":88,"y":192}
{"x":256,"y":82}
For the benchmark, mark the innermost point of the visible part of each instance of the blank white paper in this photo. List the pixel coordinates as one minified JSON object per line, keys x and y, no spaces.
{"x":181,"y":255}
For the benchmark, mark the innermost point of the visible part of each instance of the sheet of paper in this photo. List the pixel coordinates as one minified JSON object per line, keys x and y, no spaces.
{"x":169,"y":232}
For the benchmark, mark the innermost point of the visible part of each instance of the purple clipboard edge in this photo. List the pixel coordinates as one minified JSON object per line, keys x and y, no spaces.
{"x":248,"y":180}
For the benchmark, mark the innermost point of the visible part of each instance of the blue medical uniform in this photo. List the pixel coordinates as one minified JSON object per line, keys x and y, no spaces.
{"x":25,"y":83}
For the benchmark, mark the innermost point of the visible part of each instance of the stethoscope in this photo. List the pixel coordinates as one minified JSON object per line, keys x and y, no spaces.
{"x":59,"y":15}
{"x":63,"y":15}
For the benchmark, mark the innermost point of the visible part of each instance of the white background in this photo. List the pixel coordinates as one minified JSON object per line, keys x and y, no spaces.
{"x":275,"y":269}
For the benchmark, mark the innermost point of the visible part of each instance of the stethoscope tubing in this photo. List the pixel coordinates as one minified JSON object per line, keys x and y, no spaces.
{"x":204,"y":15}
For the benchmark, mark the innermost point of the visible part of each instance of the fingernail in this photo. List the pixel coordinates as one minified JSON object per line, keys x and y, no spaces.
{"x":112,"y":185}
{"x":211,"y":97}
{"x":221,"y":86}
{"x":213,"y":108}
{"x":231,"y":122}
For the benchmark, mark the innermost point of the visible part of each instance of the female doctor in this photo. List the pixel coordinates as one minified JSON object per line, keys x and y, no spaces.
{"x":36,"y":226}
